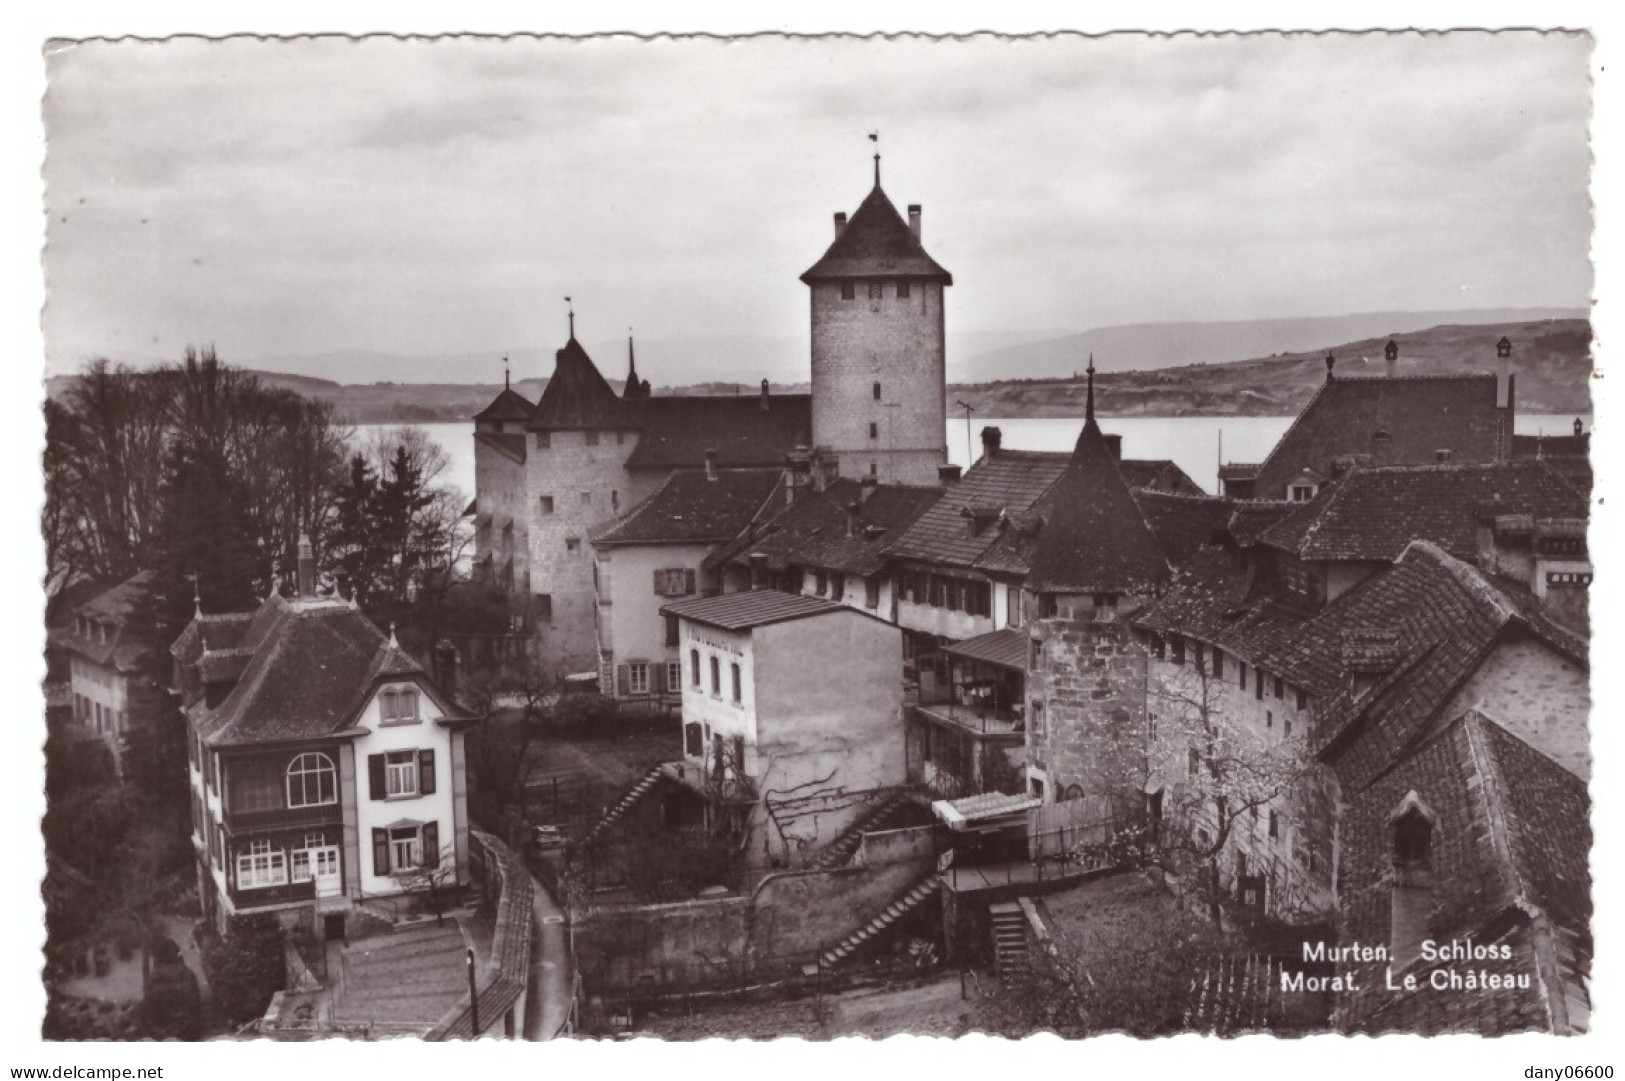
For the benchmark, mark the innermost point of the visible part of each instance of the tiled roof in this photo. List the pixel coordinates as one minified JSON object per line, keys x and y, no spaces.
{"x":1239,"y":470}
{"x":752,"y":608}
{"x":1012,"y":479}
{"x":510,"y":443}
{"x":1159,"y":474}
{"x":677,"y":431}
{"x":1184,"y":523}
{"x":1446,"y":615}
{"x":1252,"y":517}
{"x":312,"y":666}
{"x":1096,"y":537}
{"x":1420,"y":416}
{"x":1372,"y":513}
{"x":1511,"y":832}
{"x":120,"y":609}
{"x":876,"y":243}
{"x":817,"y":530}
{"x":508,"y":405}
{"x":577,"y":396}
{"x":1005,"y":647}
{"x":690,"y":508}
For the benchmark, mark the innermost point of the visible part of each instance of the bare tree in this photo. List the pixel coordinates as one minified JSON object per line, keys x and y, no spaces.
{"x":1215,"y":774}
{"x":434,"y":879}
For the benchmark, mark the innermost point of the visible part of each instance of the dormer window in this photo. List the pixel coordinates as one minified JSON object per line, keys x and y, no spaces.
{"x":1381,"y":437}
{"x":1411,"y":827}
{"x":399,"y":706}
{"x":1413,"y":841}
{"x":1301,"y":493}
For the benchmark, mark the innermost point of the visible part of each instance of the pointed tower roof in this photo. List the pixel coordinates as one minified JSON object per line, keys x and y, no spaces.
{"x":577,"y":396}
{"x":509,"y":405}
{"x":1096,"y":540}
{"x":877,"y":243}
{"x":634,"y":387}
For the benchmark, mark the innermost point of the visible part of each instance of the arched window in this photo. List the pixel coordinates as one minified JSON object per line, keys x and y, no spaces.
{"x":312,"y":781}
{"x":1413,"y":841}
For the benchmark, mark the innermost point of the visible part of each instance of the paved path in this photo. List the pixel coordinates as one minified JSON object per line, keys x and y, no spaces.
{"x":547,"y":1005}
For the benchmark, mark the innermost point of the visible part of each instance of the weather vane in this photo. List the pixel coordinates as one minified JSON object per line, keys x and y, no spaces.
{"x":570,"y":310}
{"x":874,"y":137}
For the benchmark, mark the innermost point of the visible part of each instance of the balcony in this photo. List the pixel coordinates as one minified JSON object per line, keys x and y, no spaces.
{"x":981,"y":720}
{"x":241,"y":823}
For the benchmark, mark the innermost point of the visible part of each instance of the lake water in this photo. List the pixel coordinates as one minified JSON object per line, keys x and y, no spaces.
{"x":1192,"y":442}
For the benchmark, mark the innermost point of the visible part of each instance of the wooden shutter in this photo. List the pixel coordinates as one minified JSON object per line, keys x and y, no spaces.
{"x":431,"y":844}
{"x":426,"y":773}
{"x":376,"y":788}
{"x":380,"y":852}
{"x":688,"y":582}
{"x":623,"y":680}
{"x":660,"y":583}
{"x":657,"y":678}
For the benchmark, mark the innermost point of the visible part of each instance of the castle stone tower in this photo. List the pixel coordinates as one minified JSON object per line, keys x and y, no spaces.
{"x":579,"y":438}
{"x":879,"y":386}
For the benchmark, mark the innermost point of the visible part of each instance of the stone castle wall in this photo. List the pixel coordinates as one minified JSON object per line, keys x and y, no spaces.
{"x":502,"y":528}
{"x":586,"y":483}
{"x":899,"y":343}
{"x":1089,"y":683}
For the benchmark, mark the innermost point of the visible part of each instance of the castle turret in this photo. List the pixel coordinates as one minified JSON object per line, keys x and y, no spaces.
{"x":878,"y":350}
{"x":1096,"y":559}
{"x":575,"y":469}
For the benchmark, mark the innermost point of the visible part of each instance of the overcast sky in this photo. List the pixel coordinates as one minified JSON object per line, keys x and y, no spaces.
{"x":312,"y":196}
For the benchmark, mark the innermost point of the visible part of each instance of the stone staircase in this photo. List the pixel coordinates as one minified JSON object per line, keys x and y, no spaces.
{"x":1009,"y":939}
{"x":641,"y":788}
{"x":403,"y":981}
{"x":899,"y":906}
{"x":839,"y":852}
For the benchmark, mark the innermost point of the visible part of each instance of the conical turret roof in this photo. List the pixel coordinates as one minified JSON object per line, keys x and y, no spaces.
{"x":577,"y":396}
{"x":877,"y":243}
{"x":1097,"y":540}
{"x":508,"y":405}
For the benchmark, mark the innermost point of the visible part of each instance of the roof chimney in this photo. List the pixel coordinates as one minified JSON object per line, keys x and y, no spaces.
{"x":914,"y":219}
{"x":947,"y":473}
{"x":445,"y":667}
{"x":852,"y":510}
{"x":992,"y":440}
{"x":1579,"y":428}
{"x":710,"y":464}
{"x":307,"y":567}
{"x":869,"y":484}
{"x":1441,"y":455}
{"x":764,"y":395}
{"x":1390,"y":353}
{"x":1503,"y":374}
{"x":840,"y":223}
{"x":758,"y":570}
{"x":1330,"y":361}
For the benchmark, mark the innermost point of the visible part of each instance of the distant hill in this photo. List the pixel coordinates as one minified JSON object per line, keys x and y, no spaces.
{"x":1150,"y":346}
{"x":1551,"y":358}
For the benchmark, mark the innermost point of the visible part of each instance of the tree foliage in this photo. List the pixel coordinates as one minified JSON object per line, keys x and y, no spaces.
{"x":244,"y":967}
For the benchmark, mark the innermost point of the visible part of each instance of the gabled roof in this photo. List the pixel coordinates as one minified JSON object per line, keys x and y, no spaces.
{"x":690,"y":508}
{"x":1446,"y":616}
{"x":1373,"y":513}
{"x":746,"y":431}
{"x":1012,"y":479}
{"x":577,"y":396}
{"x":508,"y":405}
{"x":120,"y":610}
{"x":1157,"y":474}
{"x":1184,"y":523}
{"x":1096,"y":538}
{"x":312,"y":665}
{"x":754,"y":608}
{"x":1418,"y":415}
{"x":1511,"y":839}
{"x":876,"y":243}
{"x":818,"y":530}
